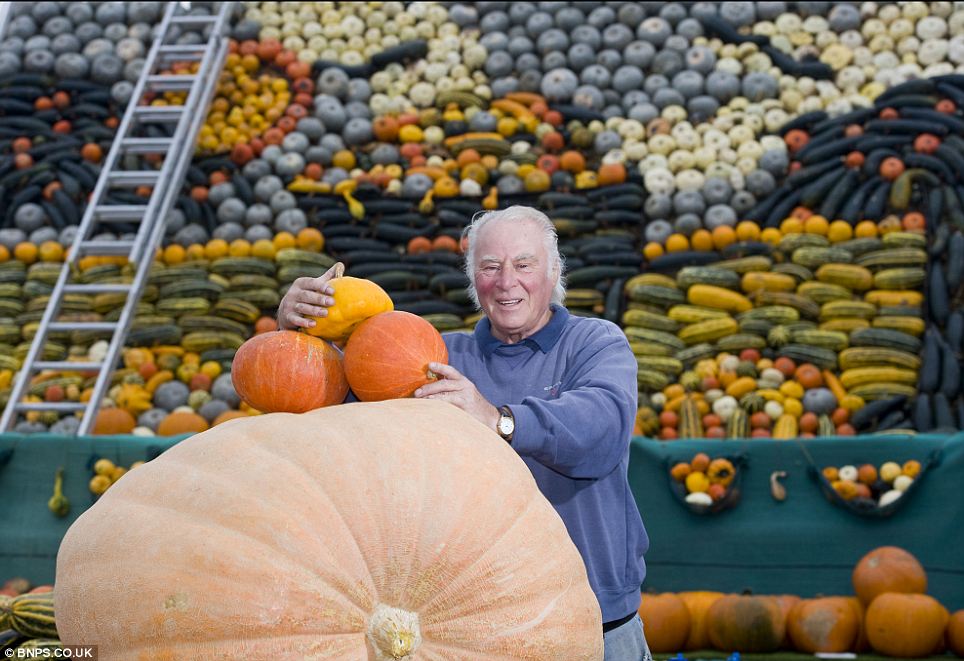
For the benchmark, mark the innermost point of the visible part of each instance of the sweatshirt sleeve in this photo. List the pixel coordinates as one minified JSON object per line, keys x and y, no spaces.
{"x":584,"y":432}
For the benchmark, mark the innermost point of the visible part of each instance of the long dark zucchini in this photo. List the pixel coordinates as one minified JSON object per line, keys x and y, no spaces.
{"x":923,"y":415}
{"x":955,"y":262}
{"x":937,"y":295}
{"x":844,"y":188}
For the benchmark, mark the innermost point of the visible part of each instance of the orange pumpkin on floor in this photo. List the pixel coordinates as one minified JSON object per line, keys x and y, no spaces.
{"x":288,"y":371}
{"x":350,"y":544}
{"x":954,"y":634}
{"x":906,"y":625}
{"x":387,"y":356}
{"x":666,"y":621}
{"x":698,"y":603}
{"x":888,"y":569}
{"x":828,"y":624}
{"x":746,"y":624}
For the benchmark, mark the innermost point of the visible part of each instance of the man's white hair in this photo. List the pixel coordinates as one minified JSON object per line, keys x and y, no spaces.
{"x":517,"y":213}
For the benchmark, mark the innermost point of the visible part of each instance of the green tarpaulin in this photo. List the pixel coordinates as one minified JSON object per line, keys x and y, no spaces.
{"x":804,"y":545}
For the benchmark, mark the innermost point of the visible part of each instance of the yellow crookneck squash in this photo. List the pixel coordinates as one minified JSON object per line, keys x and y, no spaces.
{"x":356,"y":299}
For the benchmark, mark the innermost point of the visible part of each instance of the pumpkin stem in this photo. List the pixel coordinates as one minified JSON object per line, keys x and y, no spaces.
{"x":394,"y":633}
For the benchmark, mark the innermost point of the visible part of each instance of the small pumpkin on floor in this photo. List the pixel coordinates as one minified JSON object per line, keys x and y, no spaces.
{"x":666,"y":621}
{"x":746,"y":624}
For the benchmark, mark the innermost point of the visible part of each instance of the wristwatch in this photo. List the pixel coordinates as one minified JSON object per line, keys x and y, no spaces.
{"x":506,"y":425}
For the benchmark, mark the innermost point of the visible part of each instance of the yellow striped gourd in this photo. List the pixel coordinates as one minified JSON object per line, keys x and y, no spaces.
{"x":718,"y":297}
{"x":708,"y":331}
{"x":846,"y":275}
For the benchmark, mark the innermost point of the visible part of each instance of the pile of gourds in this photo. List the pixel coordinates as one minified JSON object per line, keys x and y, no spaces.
{"x":803,"y":336}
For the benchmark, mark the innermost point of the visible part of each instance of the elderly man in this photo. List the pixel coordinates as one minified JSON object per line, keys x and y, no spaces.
{"x":560,"y":389}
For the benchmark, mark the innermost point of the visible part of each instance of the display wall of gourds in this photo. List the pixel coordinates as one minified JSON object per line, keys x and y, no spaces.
{"x":767,"y":197}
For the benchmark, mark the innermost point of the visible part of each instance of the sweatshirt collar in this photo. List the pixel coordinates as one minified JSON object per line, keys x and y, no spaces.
{"x":543,"y":339}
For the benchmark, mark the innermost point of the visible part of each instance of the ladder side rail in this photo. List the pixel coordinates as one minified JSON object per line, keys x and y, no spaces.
{"x":123,"y":129}
{"x":184,"y":136}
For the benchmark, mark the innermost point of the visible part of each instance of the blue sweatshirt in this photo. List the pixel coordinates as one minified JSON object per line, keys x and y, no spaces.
{"x":572,"y":390}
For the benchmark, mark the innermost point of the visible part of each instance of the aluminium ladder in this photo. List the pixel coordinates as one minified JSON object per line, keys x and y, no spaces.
{"x":150,"y":218}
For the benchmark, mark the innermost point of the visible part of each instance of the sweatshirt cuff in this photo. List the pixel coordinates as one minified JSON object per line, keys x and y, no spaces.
{"x":527,"y":436}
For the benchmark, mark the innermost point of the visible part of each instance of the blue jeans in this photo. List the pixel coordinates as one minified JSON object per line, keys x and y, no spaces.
{"x":627,"y":643}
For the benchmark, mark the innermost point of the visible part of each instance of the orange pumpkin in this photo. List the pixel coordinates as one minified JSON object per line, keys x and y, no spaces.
{"x":888,"y":569}
{"x":288,"y":371}
{"x":828,"y":624}
{"x":181,"y":422}
{"x":666,"y":621}
{"x":698,"y":603}
{"x":954,"y":634}
{"x":228,"y":415}
{"x":861,"y":643}
{"x":344,"y":555}
{"x":612,"y":173}
{"x":906,"y":625}
{"x":746,"y":623}
{"x":387,"y":356}
{"x":114,"y":421}
{"x":786,"y":602}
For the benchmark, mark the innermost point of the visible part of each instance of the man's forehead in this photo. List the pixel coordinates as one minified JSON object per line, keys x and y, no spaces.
{"x":496,"y":258}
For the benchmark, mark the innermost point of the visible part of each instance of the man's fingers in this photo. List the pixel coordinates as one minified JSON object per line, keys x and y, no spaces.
{"x":315,"y":298}
{"x":444,"y":370}
{"x":307,"y":310}
{"x":299,"y":321}
{"x":434,"y":388}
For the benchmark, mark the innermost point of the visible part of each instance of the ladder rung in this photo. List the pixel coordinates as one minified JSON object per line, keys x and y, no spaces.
{"x":97,"y":289}
{"x":66,"y":366}
{"x":82,"y":325}
{"x":181,"y":53}
{"x":120,"y":213}
{"x":158,"y":113}
{"x":194,"y":19}
{"x":146,"y":145}
{"x":105,"y":248}
{"x":51,"y":406}
{"x":133,"y":178}
{"x":170,"y":83}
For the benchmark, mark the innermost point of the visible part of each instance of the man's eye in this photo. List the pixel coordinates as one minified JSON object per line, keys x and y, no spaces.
{"x":525,"y":267}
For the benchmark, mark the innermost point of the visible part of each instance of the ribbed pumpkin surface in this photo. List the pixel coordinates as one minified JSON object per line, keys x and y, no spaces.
{"x":291,"y":536}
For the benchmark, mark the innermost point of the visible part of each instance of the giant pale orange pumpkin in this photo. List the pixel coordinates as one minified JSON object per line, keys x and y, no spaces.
{"x":666,"y":621}
{"x":288,"y":371}
{"x":905,"y":625}
{"x":786,"y":602}
{"x":356,"y":299}
{"x":387,"y":356}
{"x":954,"y":634}
{"x":698,"y":603}
{"x":746,"y":624}
{"x":827,"y":624}
{"x":369,"y":531}
{"x":888,"y":569}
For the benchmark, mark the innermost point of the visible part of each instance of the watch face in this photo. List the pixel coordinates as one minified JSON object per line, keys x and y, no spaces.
{"x":505,"y":425}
